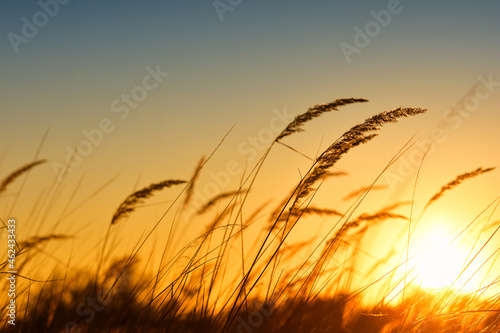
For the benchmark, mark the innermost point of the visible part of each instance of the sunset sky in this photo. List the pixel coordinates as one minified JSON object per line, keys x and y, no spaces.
{"x":197,"y":69}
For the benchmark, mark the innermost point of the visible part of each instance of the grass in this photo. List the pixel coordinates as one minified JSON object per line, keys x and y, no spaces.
{"x":247,"y":272}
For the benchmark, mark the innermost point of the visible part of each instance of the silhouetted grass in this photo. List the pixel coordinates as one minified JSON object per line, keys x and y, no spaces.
{"x":219,"y":282}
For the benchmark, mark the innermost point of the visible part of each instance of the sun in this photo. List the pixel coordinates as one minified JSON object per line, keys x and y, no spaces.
{"x":442,"y":268}
{"x":443,"y":263}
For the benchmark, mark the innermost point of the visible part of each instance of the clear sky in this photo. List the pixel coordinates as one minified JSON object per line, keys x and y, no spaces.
{"x":68,"y":68}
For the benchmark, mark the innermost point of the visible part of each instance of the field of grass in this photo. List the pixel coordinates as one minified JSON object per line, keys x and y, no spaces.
{"x":224,"y":280}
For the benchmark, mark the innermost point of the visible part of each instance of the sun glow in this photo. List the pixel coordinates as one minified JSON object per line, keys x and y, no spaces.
{"x":442,"y":268}
{"x":444,"y":263}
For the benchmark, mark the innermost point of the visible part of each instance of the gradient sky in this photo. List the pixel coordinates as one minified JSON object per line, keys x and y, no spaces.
{"x":262,"y":56}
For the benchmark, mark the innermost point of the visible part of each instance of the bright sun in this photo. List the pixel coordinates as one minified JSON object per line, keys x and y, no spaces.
{"x":441,"y":262}
{"x":440,"y":267}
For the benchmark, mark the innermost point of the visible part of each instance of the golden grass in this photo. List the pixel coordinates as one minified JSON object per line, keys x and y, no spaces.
{"x":314,"y":112}
{"x":227,"y":279}
{"x":128,"y":205}
{"x":218,"y":198}
{"x":18,"y":173}
{"x":457,"y":181}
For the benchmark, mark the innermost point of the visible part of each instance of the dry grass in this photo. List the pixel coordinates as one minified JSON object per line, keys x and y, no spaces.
{"x":457,"y":181}
{"x":18,"y":173}
{"x":355,"y":136}
{"x":191,"y":184}
{"x":314,"y":112}
{"x":218,"y":198}
{"x":356,"y":193}
{"x":128,"y":205}
{"x":253,"y":270}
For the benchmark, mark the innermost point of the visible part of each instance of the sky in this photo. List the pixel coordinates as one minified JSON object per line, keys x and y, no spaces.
{"x":143,"y":89}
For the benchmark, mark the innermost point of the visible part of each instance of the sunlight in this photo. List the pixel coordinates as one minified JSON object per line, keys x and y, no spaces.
{"x":440,"y":263}
{"x":440,"y":267}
